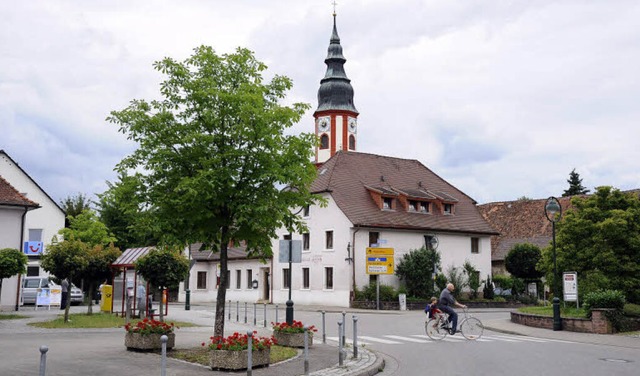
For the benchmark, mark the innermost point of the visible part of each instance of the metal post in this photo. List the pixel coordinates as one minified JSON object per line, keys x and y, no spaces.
{"x":344,"y":328}
{"x":306,"y":350}
{"x":355,"y":336}
{"x":340,"y":360}
{"x":187,"y":300}
{"x":249,"y":353}
{"x":229,"y":310}
{"x":289,"y":310}
{"x":43,"y":360}
{"x":237,"y":311}
{"x":163,"y":367}
{"x":127,"y":314}
{"x":557,"y":321}
{"x":265,"y":315}
{"x":245,"y":312}
{"x":324,"y":333}
{"x":254,"y":315}
{"x":276,"y":313}
{"x":377,"y":292}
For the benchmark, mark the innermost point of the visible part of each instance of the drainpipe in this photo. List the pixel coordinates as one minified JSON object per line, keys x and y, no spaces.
{"x":18,"y":289}
{"x":353,"y":265}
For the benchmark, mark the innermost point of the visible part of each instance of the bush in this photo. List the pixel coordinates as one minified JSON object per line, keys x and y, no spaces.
{"x":604,"y":299}
{"x":528,"y":299}
{"x":387,"y":293}
{"x":502,"y":281}
{"x":632,"y":310}
{"x":487,"y":291}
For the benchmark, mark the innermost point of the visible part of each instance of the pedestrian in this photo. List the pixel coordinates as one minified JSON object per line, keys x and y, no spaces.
{"x":141,"y":295}
{"x":446,"y":302}
{"x":100,"y":292}
{"x":65,"y":293}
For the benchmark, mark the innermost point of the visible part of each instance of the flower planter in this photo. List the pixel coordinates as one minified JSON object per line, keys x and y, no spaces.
{"x":147,"y":342}
{"x":292,"y":339}
{"x":237,"y":359}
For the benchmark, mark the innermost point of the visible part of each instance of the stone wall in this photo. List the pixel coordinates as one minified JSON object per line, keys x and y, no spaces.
{"x":418,"y":306}
{"x":597,"y":324}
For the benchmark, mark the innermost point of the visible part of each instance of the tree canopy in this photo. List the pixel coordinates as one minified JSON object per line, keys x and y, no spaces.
{"x":74,"y":205}
{"x":213,"y":156}
{"x":415,"y":270}
{"x":12,"y":262}
{"x":575,"y":185}
{"x":87,"y":227}
{"x":600,"y":239}
{"x":522,"y":259}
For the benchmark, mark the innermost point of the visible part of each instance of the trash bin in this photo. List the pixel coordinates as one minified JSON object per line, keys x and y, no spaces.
{"x":403,"y":301}
{"x":106,"y":298}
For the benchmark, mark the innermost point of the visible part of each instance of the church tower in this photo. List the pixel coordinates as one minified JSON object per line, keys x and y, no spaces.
{"x":336,"y":117}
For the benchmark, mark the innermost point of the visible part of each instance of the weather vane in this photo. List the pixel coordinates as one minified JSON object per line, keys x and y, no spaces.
{"x":334,"y":6}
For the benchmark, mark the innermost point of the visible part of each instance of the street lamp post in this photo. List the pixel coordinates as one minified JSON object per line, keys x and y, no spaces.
{"x":553,"y":212}
{"x":289,"y":309}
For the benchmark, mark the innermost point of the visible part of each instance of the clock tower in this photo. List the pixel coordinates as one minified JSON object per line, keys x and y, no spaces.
{"x":336,"y":118}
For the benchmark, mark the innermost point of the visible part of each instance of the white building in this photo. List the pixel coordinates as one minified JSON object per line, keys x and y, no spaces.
{"x":373,"y":200}
{"x":39,"y":226}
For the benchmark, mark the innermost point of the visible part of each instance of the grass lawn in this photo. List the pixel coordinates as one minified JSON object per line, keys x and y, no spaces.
{"x":200,"y":354}
{"x":568,"y":312}
{"x":11,"y":316}
{"x":97,"y":320}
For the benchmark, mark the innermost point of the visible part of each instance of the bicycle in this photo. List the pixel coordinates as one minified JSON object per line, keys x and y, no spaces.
{"x":438,"y":327}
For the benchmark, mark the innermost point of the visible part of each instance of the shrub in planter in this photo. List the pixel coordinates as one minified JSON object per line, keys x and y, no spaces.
{"x":231,"y":353}
{"x":146,"y":335}
{"x":292,"y":335}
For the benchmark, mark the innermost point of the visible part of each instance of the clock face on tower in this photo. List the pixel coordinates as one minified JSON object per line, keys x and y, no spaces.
{"x":323,"y":124}
{"x":352,"y":125}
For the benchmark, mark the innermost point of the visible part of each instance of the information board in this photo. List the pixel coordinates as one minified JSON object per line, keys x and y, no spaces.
{"x":380,"y":261}
{"x":570,"y":286}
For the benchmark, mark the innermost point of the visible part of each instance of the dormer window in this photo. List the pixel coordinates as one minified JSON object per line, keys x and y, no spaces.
{"x":448,"y":208}
{"x":387,"y":203}
{"x":424,"y":207}
{"x":413,"y":206}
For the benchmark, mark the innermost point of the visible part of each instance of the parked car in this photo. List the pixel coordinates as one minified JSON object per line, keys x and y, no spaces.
{"x":30,"y":286}
{"x":76,"y":296}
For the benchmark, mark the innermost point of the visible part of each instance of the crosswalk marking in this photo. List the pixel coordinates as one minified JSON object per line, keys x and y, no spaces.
{"x":409,"y":339}
{"x":349,"y":341}
{"x":380,"y":340}
{"x":521,"y":338}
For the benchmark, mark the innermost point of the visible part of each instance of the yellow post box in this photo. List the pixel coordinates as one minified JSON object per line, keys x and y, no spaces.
{"x":106,"y":298}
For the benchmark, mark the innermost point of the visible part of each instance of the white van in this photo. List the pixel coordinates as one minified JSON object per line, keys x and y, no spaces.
{"x":30,"y":286}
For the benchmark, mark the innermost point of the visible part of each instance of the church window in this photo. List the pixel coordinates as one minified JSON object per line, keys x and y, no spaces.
{"x":324,"y":142}
{"x":352,"y":142}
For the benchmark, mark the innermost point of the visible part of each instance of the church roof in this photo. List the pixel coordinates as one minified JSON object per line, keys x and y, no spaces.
{"x":353,"y":179}
{"x":11,"y":197}
{"x":335,"y":92}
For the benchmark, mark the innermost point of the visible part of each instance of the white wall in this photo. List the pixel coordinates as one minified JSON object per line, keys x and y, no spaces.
{"x":10,"y":222}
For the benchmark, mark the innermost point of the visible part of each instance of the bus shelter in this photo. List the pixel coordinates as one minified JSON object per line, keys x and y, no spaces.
{"x":126,"y":285}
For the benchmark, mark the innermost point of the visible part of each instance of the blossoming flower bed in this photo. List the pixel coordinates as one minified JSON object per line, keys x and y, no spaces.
{"x":292,"y":335}
{"x":231,"y":353}
{"x":146,"y":335}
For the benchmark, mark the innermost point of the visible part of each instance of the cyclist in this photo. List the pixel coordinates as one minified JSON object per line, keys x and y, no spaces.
{"x":446,"y":302}
{"x":432,"y":309}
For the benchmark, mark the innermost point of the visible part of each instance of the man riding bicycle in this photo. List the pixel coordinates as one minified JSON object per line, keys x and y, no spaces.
{"x":446,"y":302}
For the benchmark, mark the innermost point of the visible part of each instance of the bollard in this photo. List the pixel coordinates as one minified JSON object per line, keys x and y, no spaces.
{"x":245,"y":312}
{"x":276,"y":313}
{"x":265,"y":315}
{"x":249,"y":352}
{"x":229,"y":309}
{"x":163,"y":366}
{"x":43,"y":359}
{"x":237,"y":311}
{"x":340,"y":360}
{"x":127,"y":314}
{"x":306,"y":350}
{"x":355,"y":337}
{"x":344,"y":329}
{"x":324,"y":333}
{"x":254,"y":315}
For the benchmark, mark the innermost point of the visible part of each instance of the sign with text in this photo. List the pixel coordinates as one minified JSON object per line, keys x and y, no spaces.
{"x":570,"y":286}
{"x":296,"y":251}
{"x":380,"y":261}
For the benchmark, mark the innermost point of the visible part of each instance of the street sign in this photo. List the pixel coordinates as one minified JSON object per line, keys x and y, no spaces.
{"x":380,"y":261}
{"x":570,"y":286}
{"x":296,"y":254}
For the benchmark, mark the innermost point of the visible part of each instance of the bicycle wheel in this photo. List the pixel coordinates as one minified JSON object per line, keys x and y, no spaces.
{"x":471,"y":328}
{"x":434,"y":331}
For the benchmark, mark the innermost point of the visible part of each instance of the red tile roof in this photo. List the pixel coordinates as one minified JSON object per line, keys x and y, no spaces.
{"x":350,"y":177}
{"x":10,"y":196}
{"x":521,"y":221}
{"x":233,"y":253}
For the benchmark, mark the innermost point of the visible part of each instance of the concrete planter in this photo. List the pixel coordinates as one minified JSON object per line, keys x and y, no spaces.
{"x":148,"y":342}
{"x":233,"y":360}
{"x":292,"y":339}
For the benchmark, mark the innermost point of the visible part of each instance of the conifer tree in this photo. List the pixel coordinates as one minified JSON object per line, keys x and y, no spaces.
{"x":575,"y":185}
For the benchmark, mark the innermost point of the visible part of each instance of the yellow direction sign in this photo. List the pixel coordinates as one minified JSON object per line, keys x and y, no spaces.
{"x":380,"y":261}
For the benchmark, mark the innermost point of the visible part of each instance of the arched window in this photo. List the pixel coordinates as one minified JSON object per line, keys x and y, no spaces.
{"x":324,"y":142}
{"x":352,"y":142}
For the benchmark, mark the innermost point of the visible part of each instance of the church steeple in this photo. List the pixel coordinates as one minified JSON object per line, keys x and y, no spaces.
{"x":336,"y":115}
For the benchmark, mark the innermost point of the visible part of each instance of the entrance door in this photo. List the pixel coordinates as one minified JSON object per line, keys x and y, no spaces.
{"x":266,"y":287}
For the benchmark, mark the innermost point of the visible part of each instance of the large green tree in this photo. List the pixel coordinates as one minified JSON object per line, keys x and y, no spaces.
{"x":121,"y":211}
{"x":164,"y":268}
{"x":415,"y":270}
{"x":600,"y":239}
{"x":213,"y":156}
{"x":87,"y":227}
{"x":522,"y":259}
{"x":575,"y":185}
{"x":65,"y":260}
{"x":12,"y":262}
{"x":99,"y":259}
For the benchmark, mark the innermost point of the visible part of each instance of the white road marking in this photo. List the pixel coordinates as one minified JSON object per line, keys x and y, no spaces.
{"x":401,"y":338}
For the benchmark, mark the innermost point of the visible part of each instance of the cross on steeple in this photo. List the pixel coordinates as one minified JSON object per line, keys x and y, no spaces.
{"x":334,"y":7}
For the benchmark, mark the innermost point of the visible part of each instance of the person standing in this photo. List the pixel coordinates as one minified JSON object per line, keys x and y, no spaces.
{"x":446,"y":302}
{"x":65,"y":293}
{"x":141,"y":296}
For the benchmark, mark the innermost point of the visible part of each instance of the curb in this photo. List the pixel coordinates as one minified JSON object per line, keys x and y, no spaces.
{"x":377,"y":366}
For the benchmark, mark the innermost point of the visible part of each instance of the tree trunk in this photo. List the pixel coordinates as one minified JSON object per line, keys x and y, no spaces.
{"x":161,"y":304}
{"x":67,"y":304}
{"x":222,"y":289}
{"x":90,"y":289}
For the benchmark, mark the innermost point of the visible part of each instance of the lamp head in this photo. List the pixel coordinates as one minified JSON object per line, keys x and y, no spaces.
{"x":552,"y":209}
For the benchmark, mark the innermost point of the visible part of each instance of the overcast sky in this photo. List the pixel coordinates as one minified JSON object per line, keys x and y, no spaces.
{"x":500,"y":98}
